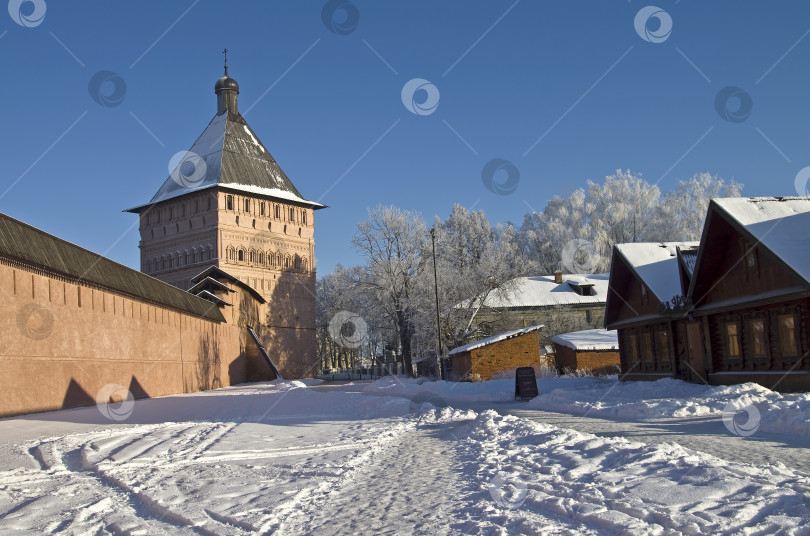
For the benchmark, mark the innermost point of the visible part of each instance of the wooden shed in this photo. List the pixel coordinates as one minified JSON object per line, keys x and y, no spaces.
{"x":595,"y":351}
{"x":499,"y":354}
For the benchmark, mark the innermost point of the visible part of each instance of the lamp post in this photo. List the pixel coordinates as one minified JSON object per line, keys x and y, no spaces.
{"x":436,"y":289}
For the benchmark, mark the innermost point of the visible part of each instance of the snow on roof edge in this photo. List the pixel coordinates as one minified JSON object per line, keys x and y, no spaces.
{"x":589,"y":339}
{"x":493,"y":339}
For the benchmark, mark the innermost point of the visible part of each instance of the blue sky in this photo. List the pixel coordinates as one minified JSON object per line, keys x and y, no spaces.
{"x":564,"y":91}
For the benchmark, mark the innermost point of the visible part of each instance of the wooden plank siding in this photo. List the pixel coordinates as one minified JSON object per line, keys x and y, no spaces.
{"x":748,"y":310}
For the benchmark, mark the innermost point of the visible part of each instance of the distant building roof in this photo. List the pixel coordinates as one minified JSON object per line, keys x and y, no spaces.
{"x":589,"y":339}
{"x":495,"y":338}
{"x":656,"y":264}
{"x":37,"y":249}
{"x":542,"y":291}
{"x":780,"y":224}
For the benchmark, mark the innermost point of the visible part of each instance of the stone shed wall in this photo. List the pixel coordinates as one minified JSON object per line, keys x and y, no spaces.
{"x":499,"y":357}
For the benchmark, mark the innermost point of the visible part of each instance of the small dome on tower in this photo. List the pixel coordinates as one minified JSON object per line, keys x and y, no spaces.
{"x":226,"y":82}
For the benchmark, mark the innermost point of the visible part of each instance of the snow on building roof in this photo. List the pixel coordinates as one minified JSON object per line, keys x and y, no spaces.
{"x":495,"y":338}
{"x":228,"y":154}
{"x":778,"y":223}
{"x":589,"y":339}
{"x":657,"y":265}
{"x":542,"y":291}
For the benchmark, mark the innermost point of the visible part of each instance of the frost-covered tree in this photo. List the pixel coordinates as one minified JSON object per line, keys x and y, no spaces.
{"x":682,"y":212}
{"x":392,"y":241}
{"x":347,"y":323}
{"x":624,"y":210}
{"x":544,"y":235}
{"x":474,"y":260}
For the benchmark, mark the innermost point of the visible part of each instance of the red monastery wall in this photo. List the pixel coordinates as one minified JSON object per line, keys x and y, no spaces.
{"x":62,"y":343}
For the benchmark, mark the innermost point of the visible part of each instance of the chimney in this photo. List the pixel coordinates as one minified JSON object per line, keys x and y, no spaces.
{"x":558,"y":277}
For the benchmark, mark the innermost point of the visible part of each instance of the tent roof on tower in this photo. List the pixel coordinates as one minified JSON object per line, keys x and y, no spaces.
{"x":228,"y":154}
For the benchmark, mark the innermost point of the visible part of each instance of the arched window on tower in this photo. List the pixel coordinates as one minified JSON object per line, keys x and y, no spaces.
{"x":297,"y":262}
{"x":261,"y":258}
{"x":305,"y":264}
{"x":247,"y":205}
{"x":208,"y":250}
{"x":240,"y":255}
{"x":252,"y":256}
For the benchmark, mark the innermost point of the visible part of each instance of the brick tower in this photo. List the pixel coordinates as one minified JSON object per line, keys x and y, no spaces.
{"x":228,"y":206}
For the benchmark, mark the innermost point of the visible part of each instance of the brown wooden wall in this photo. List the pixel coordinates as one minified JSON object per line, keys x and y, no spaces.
{"x":595,"y":362}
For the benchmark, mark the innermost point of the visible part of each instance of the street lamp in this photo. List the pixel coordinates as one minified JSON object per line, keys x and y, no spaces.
{"x":436,"y":289}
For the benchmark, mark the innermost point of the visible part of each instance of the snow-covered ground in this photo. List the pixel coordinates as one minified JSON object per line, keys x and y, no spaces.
{"x":747,"y":408}
{"x":287,"y":458}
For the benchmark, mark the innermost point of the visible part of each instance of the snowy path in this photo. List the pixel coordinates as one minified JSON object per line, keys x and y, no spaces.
{"x":281,"y":458}
{"x":705,"y":433}
{"x":388,"y":494}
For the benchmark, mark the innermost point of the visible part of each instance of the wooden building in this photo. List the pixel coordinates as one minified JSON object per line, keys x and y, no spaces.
{"x":592,"y":351}
{"x":496,"y":355}
{"x":734,"y":310}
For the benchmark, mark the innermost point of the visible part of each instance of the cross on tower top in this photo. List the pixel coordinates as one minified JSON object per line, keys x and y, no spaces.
{"x":225,"y":51}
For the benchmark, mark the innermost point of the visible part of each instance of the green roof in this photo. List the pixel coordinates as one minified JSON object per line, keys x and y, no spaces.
{"x":30,"y":246}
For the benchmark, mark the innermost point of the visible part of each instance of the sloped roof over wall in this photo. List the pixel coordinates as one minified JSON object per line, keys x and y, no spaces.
{"x":589,"y":340}
{"x":780,"y":224}
{"x":39,"y":250}
{"x":656,"y":264}
{"x":218,"y":274}
{"x":495,"y":338}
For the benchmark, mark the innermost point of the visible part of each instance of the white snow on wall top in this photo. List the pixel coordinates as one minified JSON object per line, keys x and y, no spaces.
{"x":656,"y":264}
{"x":589,"y":339}
{"x":495,"y":338}
{"x":542,"y":291}
{"x":780,"y":224}
{"x":274,"y":192}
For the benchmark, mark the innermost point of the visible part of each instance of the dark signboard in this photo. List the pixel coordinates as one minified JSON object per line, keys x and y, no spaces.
{"x":525,"y":383}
